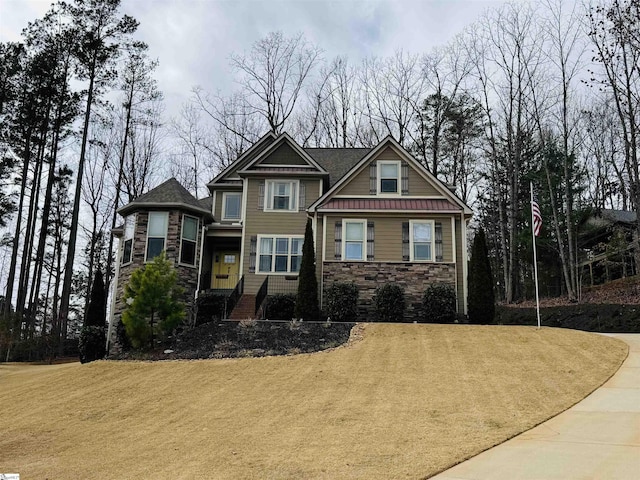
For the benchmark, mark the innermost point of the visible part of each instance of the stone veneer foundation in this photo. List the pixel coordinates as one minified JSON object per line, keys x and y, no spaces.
{"x":413,"y":277}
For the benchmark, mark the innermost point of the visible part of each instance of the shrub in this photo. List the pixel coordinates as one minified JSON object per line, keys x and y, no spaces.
{"x":480,"y":298}
{"x":210,"y":307}
{"x":389,"y":303}
{"x":306,"y":306}
{"x":439,"y":303}
{"x":281,"y":306}
{"x":91,"y":344}
{"x":153,"y":299}
{"x":341,"y":300}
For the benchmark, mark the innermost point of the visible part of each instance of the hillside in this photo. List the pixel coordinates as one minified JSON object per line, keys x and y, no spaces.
{"x":404,"y":401}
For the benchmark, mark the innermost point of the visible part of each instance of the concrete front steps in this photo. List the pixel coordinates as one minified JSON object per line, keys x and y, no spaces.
{"x":245,"y":308}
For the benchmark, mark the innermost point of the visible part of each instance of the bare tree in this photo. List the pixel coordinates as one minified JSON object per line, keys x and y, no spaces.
{"x":273,"y":74}
{"x":393,"y":87}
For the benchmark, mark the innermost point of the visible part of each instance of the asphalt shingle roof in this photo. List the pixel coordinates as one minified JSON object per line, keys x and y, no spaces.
{"x":337,"y":161}
{"x":167,"y":193}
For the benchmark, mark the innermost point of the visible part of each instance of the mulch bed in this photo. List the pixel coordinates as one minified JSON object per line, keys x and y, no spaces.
{"x":246,"y":338}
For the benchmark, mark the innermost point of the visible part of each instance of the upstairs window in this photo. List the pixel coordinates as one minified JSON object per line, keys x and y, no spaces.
{"x":188,"y":240}
{"x":282,"y":195}
{"x":129,"y":229}
{"x":231,"y":205}
{"x":389,"y":176}
{"x":156,"y":234}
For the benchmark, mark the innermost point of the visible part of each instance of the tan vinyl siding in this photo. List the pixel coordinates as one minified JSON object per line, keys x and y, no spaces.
{"x":259,"y":222}
{"x":218,"y":205}
{"x":283,"y":155}
{"x":460,"y":244}
{"x":388,"y":235}
{"x":265,"y":143}
{"x":360,"y":184}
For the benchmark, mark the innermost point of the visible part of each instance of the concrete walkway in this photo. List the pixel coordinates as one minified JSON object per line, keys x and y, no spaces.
{"x":598,"y":438}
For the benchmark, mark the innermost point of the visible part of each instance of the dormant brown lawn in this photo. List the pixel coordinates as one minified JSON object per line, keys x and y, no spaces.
{"x":406,"y":401}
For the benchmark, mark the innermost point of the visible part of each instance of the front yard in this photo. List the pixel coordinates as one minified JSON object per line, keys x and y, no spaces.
{"x":405,"y":401}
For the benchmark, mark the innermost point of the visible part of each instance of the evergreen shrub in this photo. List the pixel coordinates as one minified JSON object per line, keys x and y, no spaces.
{"x":210,"y":307}
{"x":389,"y":303}
{"x":341,"y":299}
{"x":91,"y":344}
{"x":439,"y":303}
{"x":281,"y":306}
{"x":306,"y":305}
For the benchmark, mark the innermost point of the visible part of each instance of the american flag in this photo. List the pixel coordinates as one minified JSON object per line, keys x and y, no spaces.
{"x":537,"y":218}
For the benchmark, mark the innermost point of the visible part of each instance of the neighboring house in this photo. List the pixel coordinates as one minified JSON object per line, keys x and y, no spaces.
{"x":378,"y":217}
{"x":608,"y":246}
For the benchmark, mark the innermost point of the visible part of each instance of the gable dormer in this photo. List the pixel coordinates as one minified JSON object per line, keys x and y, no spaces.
{"x":389,"y":172}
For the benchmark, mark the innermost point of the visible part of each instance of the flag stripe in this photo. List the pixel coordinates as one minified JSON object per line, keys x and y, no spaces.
{"x":537,"y":218}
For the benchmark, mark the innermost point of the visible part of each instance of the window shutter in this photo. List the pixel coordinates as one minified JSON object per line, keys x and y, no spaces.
{"x":338,"y":240}
{"x":405,"y":178}
{"x":370,"y":241}
{"x":438,"y":235}
{"x":302,"y":196}
{"x":261,"y":195}
{"x":253,"y":244}
{"x":373,"y":181}
{"x":405,"y":241}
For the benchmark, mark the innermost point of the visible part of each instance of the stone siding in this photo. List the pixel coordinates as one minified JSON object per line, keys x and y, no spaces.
{"x":413,"y":277}
{"x":187,"y":275}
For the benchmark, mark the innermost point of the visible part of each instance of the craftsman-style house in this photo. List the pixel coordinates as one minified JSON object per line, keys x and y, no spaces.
{"x":378,"y":216}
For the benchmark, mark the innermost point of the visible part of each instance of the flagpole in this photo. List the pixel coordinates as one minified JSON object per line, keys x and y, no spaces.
{"x":535,"y":258}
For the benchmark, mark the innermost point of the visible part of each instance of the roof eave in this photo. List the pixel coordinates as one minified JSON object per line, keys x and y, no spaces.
{"x":136,"y":206}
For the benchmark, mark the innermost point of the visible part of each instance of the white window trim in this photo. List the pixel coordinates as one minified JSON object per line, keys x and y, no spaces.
{"x":125,"y":239}
{"x":269,"y":195}
{"x":195,"y":256}
{"x":146,"y":243}
{"x":398,"y":165}
{"x":344,"y":239}
{"x":224,"y":207}
{"x":433,"y":235}
{"x":273,"y":254}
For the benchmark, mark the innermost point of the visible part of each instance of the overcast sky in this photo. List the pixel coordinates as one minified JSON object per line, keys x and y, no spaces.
{"x":192,"y":39}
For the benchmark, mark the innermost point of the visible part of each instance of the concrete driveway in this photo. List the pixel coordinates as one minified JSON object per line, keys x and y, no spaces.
{"x":598,"y":438}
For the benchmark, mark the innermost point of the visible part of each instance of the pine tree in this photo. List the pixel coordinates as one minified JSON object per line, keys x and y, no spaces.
{"x":481,"y":300}
{"x":152,"y":296}
{"x":307,"y":298}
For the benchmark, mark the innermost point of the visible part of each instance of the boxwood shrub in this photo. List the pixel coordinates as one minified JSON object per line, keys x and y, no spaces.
{"x":280,"y":307}
{"x":389,"y":303}
{"x":341,"y":302}
{"x":439,"y":303}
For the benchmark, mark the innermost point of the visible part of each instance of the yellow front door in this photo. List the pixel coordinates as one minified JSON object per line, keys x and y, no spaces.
{"x":226,"y":266}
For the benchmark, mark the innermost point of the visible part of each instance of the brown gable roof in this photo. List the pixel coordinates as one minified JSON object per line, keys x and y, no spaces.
{"x":167,"y":194}
{"x":337,"y":161}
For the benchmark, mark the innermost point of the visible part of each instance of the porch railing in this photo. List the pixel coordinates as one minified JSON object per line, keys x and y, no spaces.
{"x":233,"y":298}
{"x":262,"y":294}
{"x":279,"y":284}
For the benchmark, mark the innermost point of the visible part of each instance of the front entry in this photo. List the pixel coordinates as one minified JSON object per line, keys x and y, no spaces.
{"x":226,"y":266}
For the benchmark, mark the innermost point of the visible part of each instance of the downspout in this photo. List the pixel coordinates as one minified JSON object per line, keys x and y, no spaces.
{"x":114,"y":293}
{"x":465,"y":261}
{"x":202,"y":237}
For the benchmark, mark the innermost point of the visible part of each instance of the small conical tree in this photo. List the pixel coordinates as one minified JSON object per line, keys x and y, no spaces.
{"x":307,"y":299}
{"x":153,"y":299}
{"x":92,"y":343}
{"x":481,"y":300}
